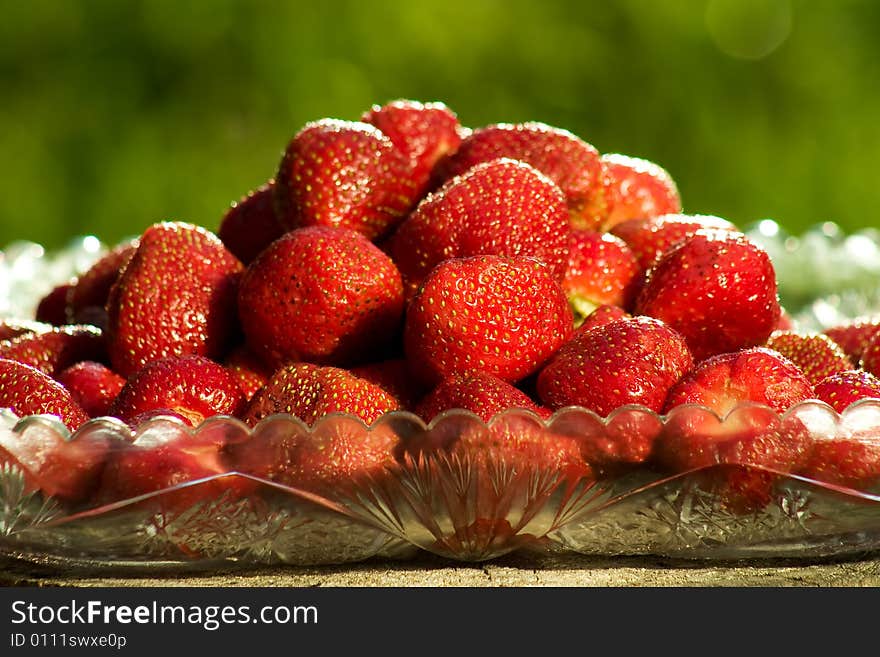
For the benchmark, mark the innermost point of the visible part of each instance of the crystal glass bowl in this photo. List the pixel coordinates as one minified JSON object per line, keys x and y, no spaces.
{"x":449,"y":490}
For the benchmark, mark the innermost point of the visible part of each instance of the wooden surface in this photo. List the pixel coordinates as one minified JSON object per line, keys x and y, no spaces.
{"x":515,"y":570}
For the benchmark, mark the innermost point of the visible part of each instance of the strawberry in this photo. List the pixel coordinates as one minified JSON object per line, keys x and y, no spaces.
{"x":87,"y":300}
{"x":136,"y":421}
{"x":601,"y":316}
{"x":250,"y":225}
{"x":625,"y":439}
{"x":841,"y":389}
{"x":501,"y":207}
{"x":758,"y":375}
{"x":638,"y":188}
{"x":601,"y":271}
{"x":248,"y":370}
{"x":786,"y":322}
{"x":853,"y":461}
{"x":513,"y":445}
{"x":854,"y":337}
{"x":52,"y":308}
{"x":12,"y":328}
{"x":63,"y":468}
{"x":338,"y":173}
{"x":871,"y":356}
{"x":55,"y":350}
{"x":396,"y":378}
{"x":148,"y":465}
{"x":68,"y":470}
{"x":719,"y":431}
{"x":745,"y":436}
{"x":479,"y":392}
{"x":332,"y":459}
{"x":309,"y":392}
{"x":326,"y":460}
{"x":512,"y":441}
{"x":504,"y":316}
{"x":422,"y":132}
{"x":176,"y":297}
{"x":628,"y":361}
{"x":321,"y":294}
{"x":817,"y":355}
{"x":191,"y":386}
{"x":717,"y":289}
{"x":92,"y":385}
{"x":336,"y":451}
{"x":28,"y":391}
{"x":651,"y":237}
{"x":568,"y":161}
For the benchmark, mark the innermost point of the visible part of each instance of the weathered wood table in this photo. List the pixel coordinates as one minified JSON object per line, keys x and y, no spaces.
{"x":513,"y":570}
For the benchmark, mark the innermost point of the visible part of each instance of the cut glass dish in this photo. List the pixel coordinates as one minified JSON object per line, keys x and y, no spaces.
{"x":463,"y":499}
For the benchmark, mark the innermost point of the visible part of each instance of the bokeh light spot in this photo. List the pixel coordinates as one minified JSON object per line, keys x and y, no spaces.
{"x":749,"y":29}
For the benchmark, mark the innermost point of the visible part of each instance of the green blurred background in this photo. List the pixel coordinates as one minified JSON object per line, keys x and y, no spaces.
{"x":115,"y":114}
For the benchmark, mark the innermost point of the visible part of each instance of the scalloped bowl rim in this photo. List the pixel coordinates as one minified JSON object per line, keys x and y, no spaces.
{"x":119,"y":428}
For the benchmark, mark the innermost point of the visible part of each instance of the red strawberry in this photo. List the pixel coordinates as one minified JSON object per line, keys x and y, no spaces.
{"x":309,"y":392}
{"x":338,"y":173}
{"x":853,"y":462}
{"x":511,"y":445}
{"x":12,"y":328}
{"x":68,"y":470}
{"x":250,"y":225}
{"x":758,"y":375}
{"x":320,"y":294}
{"x":651,"y":237}
{"x":136,"y":421}
{"x":568,"y":161}
{"x":87,"y":300}
{"x":871,"y":356}
{"x":854,"y":337}
{"x":177,"y":296}
{"x":336,"y":451}
{"x":717,"y":289}
{"x":629,"y":361}
{"x":394,"y":377}
{"x":501,"y":207}
{"x":815,"y":354}
{"x":59,"y":467}
{"x":786,"y":322}
{"x":614,"y":445}
{"x":601,"y":316}
{"x":601,"y":271}
{"x":27,"y":391}
{"x":504,"y":316}
{"x":327,"y":459}
{"x":479,"y":392}
{"x":695,"y":438}
{"x":841,"y":389}
{"x":638,"y":188}
{"x":55,"y":350}
{"x":148,"y":465}
{"x":423,"y":133}
{"x":92,"y":385}
{"x":518,"y":442}
{"x":191,"y":386}
{"x":52,"y":308}
{"x":248,"y":370}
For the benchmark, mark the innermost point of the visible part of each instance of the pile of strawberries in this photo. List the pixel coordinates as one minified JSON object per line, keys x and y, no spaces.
{"x":404,"y":262}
